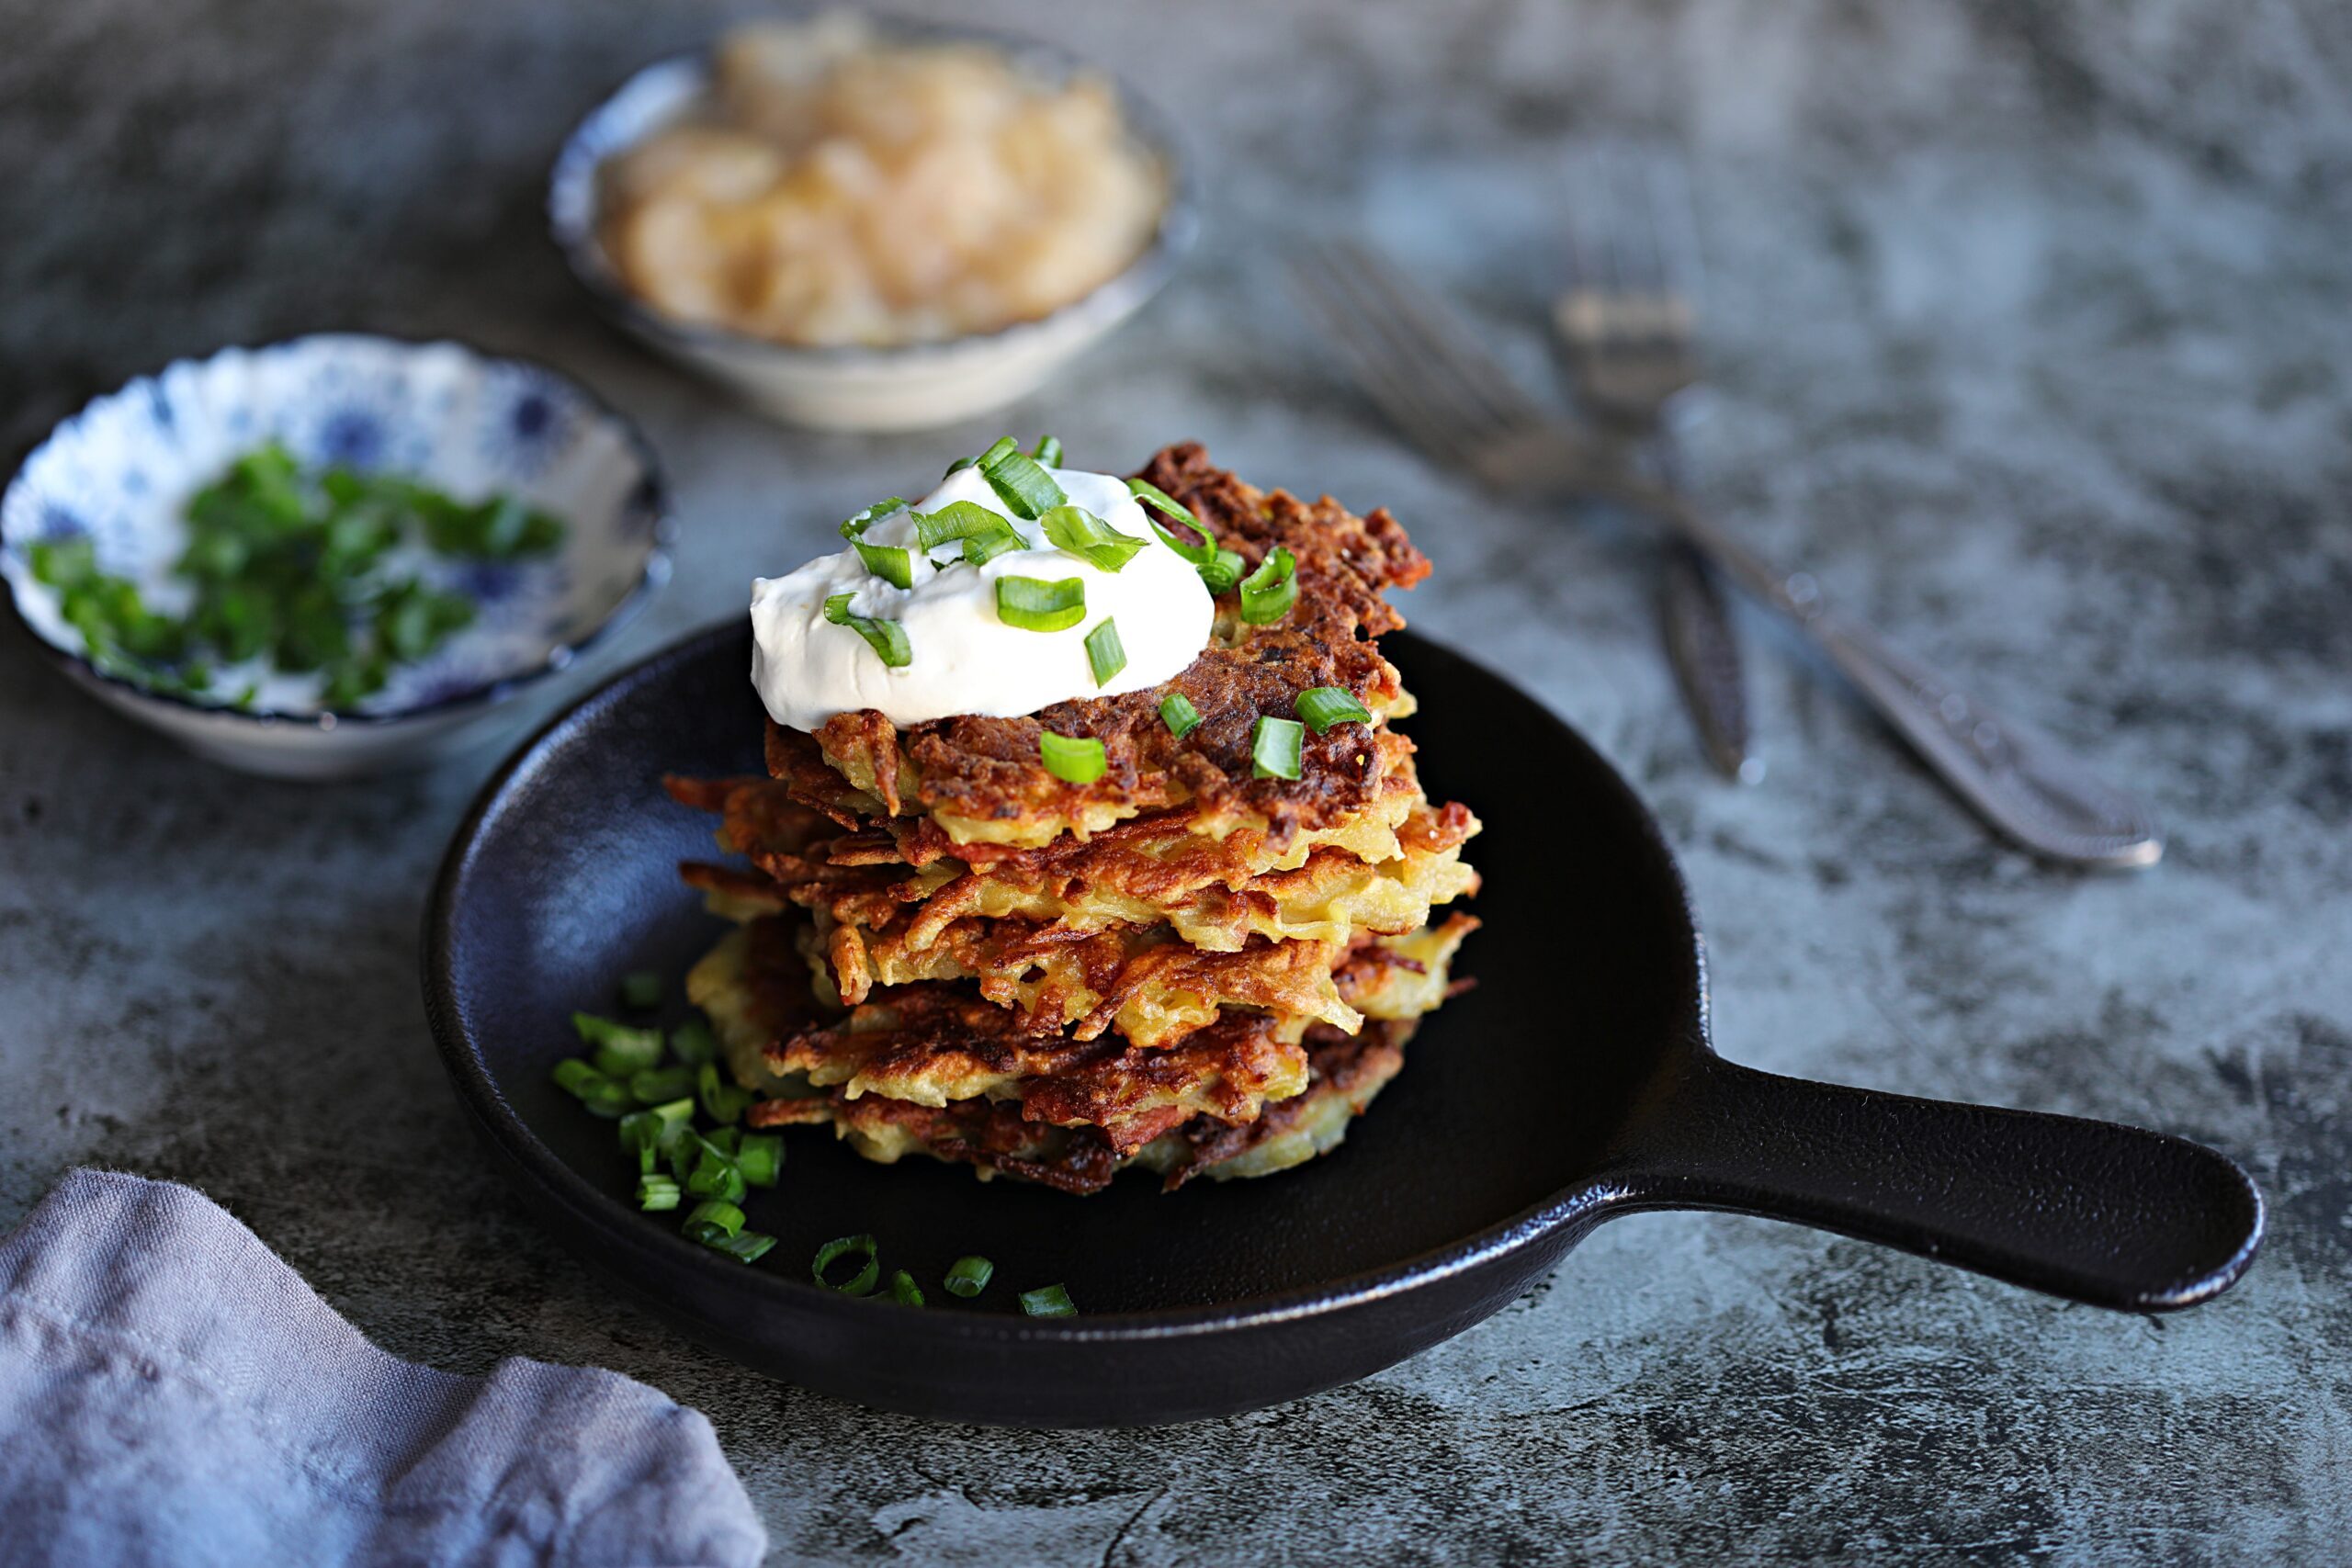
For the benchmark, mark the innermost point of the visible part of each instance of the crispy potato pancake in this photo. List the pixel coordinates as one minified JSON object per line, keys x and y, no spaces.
{"x":943,"y":948}
{"x":1216,"y":895}
{"x":981,"y":779}
{"x":1344,"y":1073}
{"x":933,"y":1045}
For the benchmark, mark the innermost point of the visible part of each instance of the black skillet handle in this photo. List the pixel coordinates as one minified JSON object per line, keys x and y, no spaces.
{"x":2092,"y":1211}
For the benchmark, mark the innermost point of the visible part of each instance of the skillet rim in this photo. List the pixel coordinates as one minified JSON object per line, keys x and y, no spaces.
{"x":1571,"y":1209}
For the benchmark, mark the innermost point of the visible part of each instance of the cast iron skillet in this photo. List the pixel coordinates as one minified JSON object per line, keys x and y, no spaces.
{"x":1572,"y":1085}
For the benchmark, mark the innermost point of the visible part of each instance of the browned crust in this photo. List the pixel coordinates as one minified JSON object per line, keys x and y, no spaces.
{"x":925,"y":1034}
{"x":858,"y":879}
{"x":994,"y":1136}
{"x":989,"y":769}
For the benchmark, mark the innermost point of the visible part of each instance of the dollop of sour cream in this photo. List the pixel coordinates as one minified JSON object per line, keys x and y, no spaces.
{"x":965,"y":660}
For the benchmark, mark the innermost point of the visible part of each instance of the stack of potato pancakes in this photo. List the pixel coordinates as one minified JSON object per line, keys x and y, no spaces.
{"x":943,"y":948}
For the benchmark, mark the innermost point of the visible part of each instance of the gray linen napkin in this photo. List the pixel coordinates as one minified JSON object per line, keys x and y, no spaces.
{"x":173,"y":1393}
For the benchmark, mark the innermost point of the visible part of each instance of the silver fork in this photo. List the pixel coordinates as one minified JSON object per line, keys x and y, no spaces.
{"x":1420,"y":365}
{"x":1624,"y":325}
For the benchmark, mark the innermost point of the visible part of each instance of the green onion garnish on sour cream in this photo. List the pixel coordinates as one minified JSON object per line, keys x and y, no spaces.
{"x":1075,"y":531}
{"x":887,"y":638}
{"x":1005,"y":550}
{"x":1103,"y":653}
{"x":1036,"y":605}
{"x":1016,"y":476}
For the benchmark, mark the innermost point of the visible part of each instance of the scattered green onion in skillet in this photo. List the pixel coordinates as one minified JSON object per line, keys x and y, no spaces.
{"x":1177,"y":712}
{"x":1073,"y":758}
{"x":833,"y":1251}
{"x":300,"y":571}
{"x":1274,"y":747}
{"x":654,"y":1103}
{"x":1048,"y":1301}
{"x":1323,"y":707}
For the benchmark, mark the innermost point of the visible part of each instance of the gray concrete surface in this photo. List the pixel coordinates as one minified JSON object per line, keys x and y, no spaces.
{"x":2030,"y":323}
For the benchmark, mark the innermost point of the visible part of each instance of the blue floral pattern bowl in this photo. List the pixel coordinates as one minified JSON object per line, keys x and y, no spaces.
{"x":119,"y":474}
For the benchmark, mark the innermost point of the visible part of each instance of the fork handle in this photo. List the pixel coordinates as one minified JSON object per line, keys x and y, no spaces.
{"x":2015,"y":776}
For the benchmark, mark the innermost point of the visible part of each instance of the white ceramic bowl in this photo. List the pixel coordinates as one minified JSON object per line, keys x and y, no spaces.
{"x":877,"y":389}
{"x":121,"y":471}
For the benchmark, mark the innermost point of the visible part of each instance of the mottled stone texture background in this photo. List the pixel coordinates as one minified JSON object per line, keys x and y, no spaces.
{"x":2030,"y":323}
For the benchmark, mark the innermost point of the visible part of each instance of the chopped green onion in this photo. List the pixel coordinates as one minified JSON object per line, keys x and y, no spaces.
{"x":725,"y":1140}
{"x":1219,"y":568}
{"x":997,"y":449}
{"x":715,"y":1176}
{"x":620,"y":1050}
{"x":892,"y":563}
{"x":959,"y":465}
{"x":724,"y":1102}
{"x":750,"y":1245}
{"x":983,"y":534}
{"x":1177,"y":712}
{"x":1017,"y":480}
{"x":760,"y":1156}
{"x":656,"y":1085}
{"x":1036,"y":605}
{"x":1073,"y":758}
{"x":1268,"y":592}
{"x":693,"y":1043}
{"x":1048,"y":451}
{"x":855,"y":527}
{"x":1323,"y":707}
{"x":968,"y":1277}
{"x":640,"y":1131}
{"x":656,"y":1193}
{"x":1075,"y":531}
{"x":641,"y":989}
{"x":1274,"y":746}
{"x":1048,"y":1301}
{"x":1104,"y":652}
{"x":865,"y":1280}
{"x":678,"y":1146}
{"x":1152,"y":495}
{"x":886,"y":638}
{"x":600,"y":1094}
{"x":713,"y":1222}
{"x":1224,"y":571}
{"x":904,"y":1290}
{"x":643,"y":1132}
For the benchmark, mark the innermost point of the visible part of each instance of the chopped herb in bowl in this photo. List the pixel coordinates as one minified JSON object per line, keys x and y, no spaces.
{"x":297,"y":571}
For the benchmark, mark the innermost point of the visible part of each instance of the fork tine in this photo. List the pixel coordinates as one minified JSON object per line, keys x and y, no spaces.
{"x":1432,"y":336}
{"x":1437,"y":424}
{"x":1674,"y":224}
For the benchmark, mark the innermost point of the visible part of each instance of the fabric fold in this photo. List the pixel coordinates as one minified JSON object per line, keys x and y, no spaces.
{"x":172,"y":1393}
